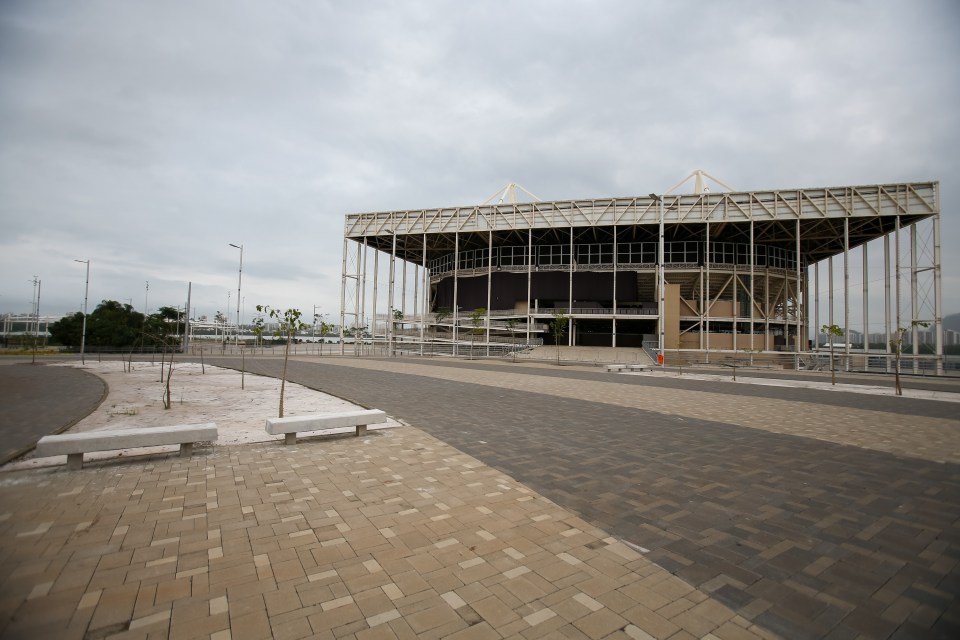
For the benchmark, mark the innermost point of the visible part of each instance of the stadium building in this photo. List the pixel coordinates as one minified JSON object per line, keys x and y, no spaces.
{"x":703,"y":275}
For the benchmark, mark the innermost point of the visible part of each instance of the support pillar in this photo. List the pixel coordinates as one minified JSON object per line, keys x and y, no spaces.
{"x":937,"y":296}
{"x":389,"y":330}
{"x":866,"y":298}
{"x":456,"y":302}
{"x":570,"y":296}
{"x":886,"y":299}
{"x":343,"y":294}
{"x":846,"y":292}
{"x":529,"y":279}
{"x":425,"y":274}
{"x":489,"y":283}
{"x":914,"y":304}
{"x":358,"y":339}
{"x":751,"y":291}
{"x":613,"y":322}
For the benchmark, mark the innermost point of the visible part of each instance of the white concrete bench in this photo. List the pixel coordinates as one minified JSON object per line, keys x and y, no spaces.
{"x":74,"y":445}
{"x":290,"y":426}
{"x":638,"y":367}
{"x":615,"y":367}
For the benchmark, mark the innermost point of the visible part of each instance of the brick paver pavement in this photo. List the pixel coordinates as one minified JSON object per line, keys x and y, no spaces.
{"x":506,"y":520}
{"x":768,"y":500}
{"x":395,"y":535}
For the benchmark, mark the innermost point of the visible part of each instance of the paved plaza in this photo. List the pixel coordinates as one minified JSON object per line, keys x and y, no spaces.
{"x":520,"y":501}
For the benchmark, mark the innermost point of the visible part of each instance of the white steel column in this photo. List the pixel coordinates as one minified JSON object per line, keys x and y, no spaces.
{"x":489,"y":283}
{"x":376,"y":283}
{"x":616,"y":257}
{"x":937,"y":296}
{"x":456,"y":306}
{"x":416,"y":291}
{"x":830,"y":319}
{"x":708,"y":297}
{"x":703,"y":315}
{"x":914,"y":304}
{"x":801,"y":294}
{"x":661,"y":282}
{"x":766,"y":306}
{"x":529,"y":278}
{"x":363,"y":285}
{"x":896,"y":266}
{"x":570,"y":297}
{"x":358,"y":339}
{"x":389,"y":329}
{"x":403,"y":284}
{"x":753,"y":301}
{"x":866,"y":305}
{"x":735,"y":291}
{"x":425,"y":275}
{"x":343,"y":294}
{"x":816,"y":306}
{"x":846,"y":292}
{"x":886,"y":298}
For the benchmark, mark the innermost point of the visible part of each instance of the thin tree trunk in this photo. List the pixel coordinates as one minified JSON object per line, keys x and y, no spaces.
{"x":283,"y":378}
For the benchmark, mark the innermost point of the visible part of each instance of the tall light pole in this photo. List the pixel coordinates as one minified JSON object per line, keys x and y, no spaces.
{"x":36,"y":315}
{"x":239,"y":282}
{"x":661,"y":281}
{"x":86,"y":291}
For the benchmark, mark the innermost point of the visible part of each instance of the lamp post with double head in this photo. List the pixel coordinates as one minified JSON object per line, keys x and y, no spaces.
{"x":239,"y":282}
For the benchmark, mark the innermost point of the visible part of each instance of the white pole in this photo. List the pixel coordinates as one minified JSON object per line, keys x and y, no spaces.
{"x":239,"y":281}
{"x":86,"y":291}
{"x":661,"y":281}
{"x":186,"y":326}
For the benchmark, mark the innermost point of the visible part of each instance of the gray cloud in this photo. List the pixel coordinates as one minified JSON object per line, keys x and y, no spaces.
{"x":148,"y":136}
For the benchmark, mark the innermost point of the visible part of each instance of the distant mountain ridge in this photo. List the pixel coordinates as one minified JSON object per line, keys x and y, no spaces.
{"x":952,"y":322}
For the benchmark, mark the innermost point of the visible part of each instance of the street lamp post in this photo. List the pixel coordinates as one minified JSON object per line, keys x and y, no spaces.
{"x":86,"y":291}
{"x":239,"y":282}
{"x":661,"y":280}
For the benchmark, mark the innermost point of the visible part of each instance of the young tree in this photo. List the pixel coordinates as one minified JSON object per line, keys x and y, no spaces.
{"x":832,"y":331}
{"x":897,"y":345}
{"x":397,"y":323}
{"x":476,"y":322}
{"x":439,"y":317}
{"x":558,"y":327}
{"x":288,"y":325}
{"x":324,"y":330}
{"x":258,"y":328}
{"x":512,"y":326}
{"x":220,"y":320}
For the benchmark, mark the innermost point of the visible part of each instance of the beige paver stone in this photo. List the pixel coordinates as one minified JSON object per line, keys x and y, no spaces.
{"x":651,"y":622}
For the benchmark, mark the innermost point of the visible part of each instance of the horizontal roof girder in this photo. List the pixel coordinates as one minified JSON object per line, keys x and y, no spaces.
{"x":917,"y":200}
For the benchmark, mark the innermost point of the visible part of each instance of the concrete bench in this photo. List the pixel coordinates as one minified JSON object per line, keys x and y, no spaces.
{"x":615,"y":367}
{"x":290,"y":426}
{"x":74,"y":445}
{"x":638,"y":367}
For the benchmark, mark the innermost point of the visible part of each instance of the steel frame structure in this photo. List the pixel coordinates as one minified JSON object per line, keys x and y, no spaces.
{"x":708,"y":264}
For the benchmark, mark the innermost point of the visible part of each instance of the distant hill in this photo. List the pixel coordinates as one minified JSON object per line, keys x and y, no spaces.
{"x":952,"y":322}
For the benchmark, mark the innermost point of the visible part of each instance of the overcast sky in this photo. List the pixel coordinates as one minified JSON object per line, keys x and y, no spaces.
{"x":147,"y":136}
